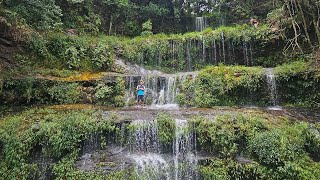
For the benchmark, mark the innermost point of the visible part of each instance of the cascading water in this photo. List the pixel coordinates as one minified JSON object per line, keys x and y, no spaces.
{"x":150,"y":166}
{"x":150,"y":163}
{"x":145,"y":138}
{"x":145,"y":151}
{"x":185,"y":160}
{"x":272,"y":86}
{"x":161,"y":89}
{"x":201,"y":23}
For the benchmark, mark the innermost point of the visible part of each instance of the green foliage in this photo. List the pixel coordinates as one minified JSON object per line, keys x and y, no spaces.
{"x":287,"y":70}
{"x":147,"y":28}
{"x":102,"y":56}
{"x":111,"y":95}
{"x":223,"y":85}
{"x":38,"y":45}
{"x":73,"y":56}
{"x":277,"y":146}
{"x":298,"y":84}
{"x":186,"y":95}
{"x":61,"y":51}
{"x":41,"y":14}
{"x":103,"y":93}
{"x":166,"y":129}
{"x":228,"y":134}
{"x":216,"y":169}
{"x":313,"y":141}
{"x":58,"y":134}
{"x":17,"y":90}
{"x":65,"y":92}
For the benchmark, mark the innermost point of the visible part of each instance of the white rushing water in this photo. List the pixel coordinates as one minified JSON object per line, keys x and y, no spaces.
{"x":161,"y":90}
{"x":150,"y":166}
{"x":272,"y":86}
{"x":150,"y":163}
{"x":185,"y":160}
{"x":201,"y":23}
{"x":145,"y":138}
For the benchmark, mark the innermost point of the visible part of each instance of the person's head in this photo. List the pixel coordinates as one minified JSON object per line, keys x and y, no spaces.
{"x":141,"y":82}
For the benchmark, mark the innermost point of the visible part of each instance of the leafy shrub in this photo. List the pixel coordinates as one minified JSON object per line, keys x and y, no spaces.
{"x":103,"y":93}
{"x":65,"y":92}
{"x":216,"y":169}
{"x":275,"y":147}
{"x":223,"y":85}
{"x":74,"y":56}
{"x":57,"y":134}
{"x":227,"y":135}
{"x":119,"y":90}
{"x":166,"y":129}
{"x":313,"y":141}
{"x":102,"y":56}
{"x":41,"y":14}
{"x":298,"y":85}
{"x":38,"y":45}
{"x":147,"y":28}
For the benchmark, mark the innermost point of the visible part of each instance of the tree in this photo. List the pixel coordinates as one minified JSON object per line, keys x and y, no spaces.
{"x":41,"y":14}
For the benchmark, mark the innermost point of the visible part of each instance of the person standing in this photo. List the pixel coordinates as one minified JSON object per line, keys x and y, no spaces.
{"x":140,"y":93}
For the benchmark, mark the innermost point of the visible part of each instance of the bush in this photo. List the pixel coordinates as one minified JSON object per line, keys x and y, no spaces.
{"x":228,"y":135}
{"x":102,"y":56}
{"x":216,"y":169}
{"x":224,"y":85}
{"x":313,"y":141}
{"x":166,"y":129}
{"x":64,"y":92}
{"x":41,"y":14}
{"x":275,"y":147}
{"x":103,"y":94}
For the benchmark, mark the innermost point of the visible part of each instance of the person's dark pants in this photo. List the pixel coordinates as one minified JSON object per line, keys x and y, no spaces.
{"x":140,"y":98}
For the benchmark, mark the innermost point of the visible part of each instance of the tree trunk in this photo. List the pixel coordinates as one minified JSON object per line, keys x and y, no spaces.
{"x":305,"y":25}
{"x":317,"y":30}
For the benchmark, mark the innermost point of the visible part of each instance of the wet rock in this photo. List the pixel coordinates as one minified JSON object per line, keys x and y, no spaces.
{"x":71,"y":32}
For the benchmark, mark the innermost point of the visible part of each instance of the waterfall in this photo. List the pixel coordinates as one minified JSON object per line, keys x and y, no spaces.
{"x":145,"y":138}
{"x":272,"y":86}
{"x":201,"y":23}
{"x":146,"y":154}
{"x":245,"y":53}
{"x":185,"y":161}
{"x":189,"y":55}
{"x":151,"y":166}
{"x":215,"y":51}
{"x":161,"y":89}
{"x":145,"y":151}
{"x":223,"y":47}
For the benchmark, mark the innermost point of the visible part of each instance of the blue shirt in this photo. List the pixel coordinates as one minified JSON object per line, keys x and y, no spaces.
{"x":140,"y":91}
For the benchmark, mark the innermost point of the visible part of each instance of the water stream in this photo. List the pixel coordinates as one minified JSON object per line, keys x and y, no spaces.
{"x":201,"y":23}
{"x":272,"y":86}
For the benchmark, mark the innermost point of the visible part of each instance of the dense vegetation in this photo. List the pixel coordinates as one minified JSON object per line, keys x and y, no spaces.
{"x":292,"y":25}
{"x":42,"y":91}
{"x":274,"y":149}
{"x":66,"y":52}
{"x":297,"y":85}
